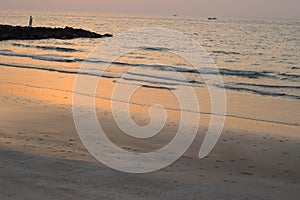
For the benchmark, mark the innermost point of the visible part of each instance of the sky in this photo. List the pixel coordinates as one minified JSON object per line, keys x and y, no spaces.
{"x":219,"y":8}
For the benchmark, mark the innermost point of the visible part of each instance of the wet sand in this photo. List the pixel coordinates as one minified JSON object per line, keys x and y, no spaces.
{"x":42,"y":156}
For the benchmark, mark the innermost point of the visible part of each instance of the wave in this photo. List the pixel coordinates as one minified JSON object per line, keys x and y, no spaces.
{"x":227,"y":72}
{"x":264,"y":93}
{"x":226,"y":52}
{"x":164,"y":81}
{"x":209,"y":71}
{"x":295,"y":67}
{"x":6,"y":50}
{"x":60,"y":49}
{"x":213,"y":71}
{"x":155,"y":49}
{"x":269,"y":86}
{"x":146,"y":86}
{"x":155,"y":82}
{"x":55,"y":70}
{"x":43,"y":57}
{"x":167,"y":78}
{"x":246,"y":73}
{"x":235,"y":86}
{"x":158,"y":87}
{"x":232,"y":61}
{"x":161,"y":67}
{"x":287,"y":75}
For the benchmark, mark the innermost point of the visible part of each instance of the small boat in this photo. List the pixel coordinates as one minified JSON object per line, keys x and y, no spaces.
{"x":212,"y":18}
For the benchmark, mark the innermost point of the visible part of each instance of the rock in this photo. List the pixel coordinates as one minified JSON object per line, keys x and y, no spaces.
{"x":8,"y":32}
{"x":212,"y":18}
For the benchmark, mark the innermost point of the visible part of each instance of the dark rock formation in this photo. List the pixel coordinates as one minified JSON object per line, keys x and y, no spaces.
{"x":8,"y":32}
{"x":212,"y":18}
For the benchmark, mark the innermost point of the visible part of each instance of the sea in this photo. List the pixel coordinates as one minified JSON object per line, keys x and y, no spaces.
{"x":254,"y":56}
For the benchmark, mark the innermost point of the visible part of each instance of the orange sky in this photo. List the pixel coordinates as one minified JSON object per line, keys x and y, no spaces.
{"x":222,"y":8}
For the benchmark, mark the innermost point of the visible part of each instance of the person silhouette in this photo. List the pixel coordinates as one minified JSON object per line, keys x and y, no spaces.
{"x":30,"y":21}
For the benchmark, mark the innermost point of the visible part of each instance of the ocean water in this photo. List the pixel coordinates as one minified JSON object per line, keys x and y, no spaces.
{"x":255,"y":56}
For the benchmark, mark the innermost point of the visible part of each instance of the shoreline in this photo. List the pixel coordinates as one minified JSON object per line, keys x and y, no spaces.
{"x":255,"y":107}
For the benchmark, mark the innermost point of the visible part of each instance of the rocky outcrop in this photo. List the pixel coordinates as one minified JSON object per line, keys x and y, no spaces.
{"x":8,"y":32}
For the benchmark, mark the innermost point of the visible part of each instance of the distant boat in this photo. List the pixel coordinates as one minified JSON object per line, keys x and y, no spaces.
{"x":212,"y":18}
{"x":174,"y":15}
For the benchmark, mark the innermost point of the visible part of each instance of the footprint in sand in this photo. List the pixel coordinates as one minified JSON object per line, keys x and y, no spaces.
{"x":129,"y":149}
{"x":282,"y":164}
{"x":247,"y":173}
{"x":227,"y":181}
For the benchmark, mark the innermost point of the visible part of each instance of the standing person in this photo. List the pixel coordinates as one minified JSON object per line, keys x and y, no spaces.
{"x":30,"y":21}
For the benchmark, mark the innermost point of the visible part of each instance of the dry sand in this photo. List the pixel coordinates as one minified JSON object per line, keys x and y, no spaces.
{"x":42,"y":156}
